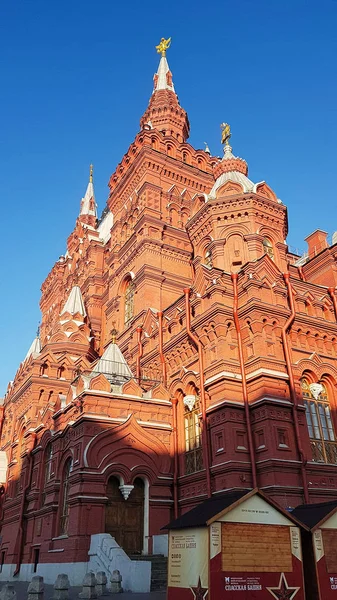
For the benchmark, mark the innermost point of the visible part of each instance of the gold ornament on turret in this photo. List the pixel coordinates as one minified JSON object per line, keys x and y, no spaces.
{"x":226,"y":133}
{"x":163,"y":46}
{"x":113,"y":333}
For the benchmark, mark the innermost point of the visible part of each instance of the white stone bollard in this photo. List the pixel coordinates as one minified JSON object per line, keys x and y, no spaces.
{"x":116,"y":582}
{"x":61,"y":587}
{"x":36,"y":588}
{"x":8,"y":592}
{"x":89,"y":586}
{"x":101,"y":588}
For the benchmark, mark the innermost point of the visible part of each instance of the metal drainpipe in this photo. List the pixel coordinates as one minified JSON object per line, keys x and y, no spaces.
{"x":205,"y":445}
{"x":161,"y":352}
{"x":234,"y":277}
{"x":332,"y":293}
{"x":22,"y":508}
{"x":139,"y":331}
{"x":293,"y":396}
{"x":175,"y":450}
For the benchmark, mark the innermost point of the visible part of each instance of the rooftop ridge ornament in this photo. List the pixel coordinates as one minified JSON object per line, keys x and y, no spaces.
{"x":91,"y":176}
{"x":163,"y":46}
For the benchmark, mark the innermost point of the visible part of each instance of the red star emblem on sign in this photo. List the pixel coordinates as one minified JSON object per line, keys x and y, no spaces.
{"x":283,"y":592}
{"x":199,"y":592}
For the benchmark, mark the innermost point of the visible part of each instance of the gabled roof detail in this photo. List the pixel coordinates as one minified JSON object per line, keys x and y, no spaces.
{"x":34,"y":349}
{"x":215,"y":507}
{"x":314,"y":514}
{"x":75,"y":303}
{"x":113,"y":364}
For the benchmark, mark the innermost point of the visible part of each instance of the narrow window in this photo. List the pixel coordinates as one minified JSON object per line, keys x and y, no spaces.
{"x":208,"y":258}
{"x":319,"y":422}
{"x":260,"y":442}
{"x":193,"y":449}
{"x":129,"y":301}
{"x":282,"y":438}
{"x":47,"y":469}
{"x":268,"y":248}
{"x":241,"y":443}
{"x":64,"y":515}
{"x":44,"y":370}
{"x":219,"y":443}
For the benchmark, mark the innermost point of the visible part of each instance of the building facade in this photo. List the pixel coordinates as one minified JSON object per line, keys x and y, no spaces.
{"x":183,"y":351}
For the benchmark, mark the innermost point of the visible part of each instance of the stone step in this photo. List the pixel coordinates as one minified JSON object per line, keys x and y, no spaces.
{"x":158,"y":570}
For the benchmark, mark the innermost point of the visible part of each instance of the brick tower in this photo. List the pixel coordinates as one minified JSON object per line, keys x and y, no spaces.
{"x":183,"y":351}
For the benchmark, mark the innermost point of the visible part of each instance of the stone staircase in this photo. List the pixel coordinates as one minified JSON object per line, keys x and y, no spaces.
{"x":106,"y":555}
{"x":158,"y":570}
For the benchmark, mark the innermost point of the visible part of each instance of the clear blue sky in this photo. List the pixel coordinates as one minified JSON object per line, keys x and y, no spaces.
{"x":76,"y":77}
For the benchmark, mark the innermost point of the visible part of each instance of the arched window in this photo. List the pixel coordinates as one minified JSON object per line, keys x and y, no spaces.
{"x":64,"y":514}
{"x":61,"y":372}
{"x":44,"y":370}
{"x":47,"y":469}
{"x":129,"y":295}
{"x":208,"y":257}
{"x":320,"y":425}
{"x":268,"y":248}
{"x":193,"y":449}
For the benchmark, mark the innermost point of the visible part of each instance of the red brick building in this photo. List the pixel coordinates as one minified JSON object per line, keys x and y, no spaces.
{"x":183,"y":351}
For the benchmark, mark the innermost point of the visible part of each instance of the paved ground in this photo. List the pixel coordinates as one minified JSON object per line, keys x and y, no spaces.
{"x":21,"y":591}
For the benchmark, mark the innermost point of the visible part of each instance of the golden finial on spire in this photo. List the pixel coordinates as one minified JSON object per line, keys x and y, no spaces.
{"x":226,"y":133}
{"x":163,"y":46}
{"x":91,"y":173}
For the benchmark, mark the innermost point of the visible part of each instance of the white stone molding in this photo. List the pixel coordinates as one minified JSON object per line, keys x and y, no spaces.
{"x":316,"y":389}
{"x":189,"y":401}
{"x":126,"y":490}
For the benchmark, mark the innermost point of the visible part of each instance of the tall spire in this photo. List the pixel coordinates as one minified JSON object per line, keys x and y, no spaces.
{"x":164,"y":111}
{"x":88,"y":212}
{"x":163,"y":77}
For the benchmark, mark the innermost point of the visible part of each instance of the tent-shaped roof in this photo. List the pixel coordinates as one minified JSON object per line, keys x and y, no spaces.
{"x":313,"y":515}
{"x":74,"y":303}
{"x":34,"y":349}
{"x":113,"y":364}
{"x":216,"y":506}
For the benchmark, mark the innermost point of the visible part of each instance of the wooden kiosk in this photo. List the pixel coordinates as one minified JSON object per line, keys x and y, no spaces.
{"x":319,"y":549}
{"x":235,"y":546}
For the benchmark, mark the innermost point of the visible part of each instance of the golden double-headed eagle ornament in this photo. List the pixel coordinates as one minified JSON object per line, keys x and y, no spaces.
{"x":163,"y":46}
{"x":226,"y":133}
